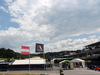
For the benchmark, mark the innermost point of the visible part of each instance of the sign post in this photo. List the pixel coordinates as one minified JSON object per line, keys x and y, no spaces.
{"x":40,"y":49}
{"x":25,"y":50}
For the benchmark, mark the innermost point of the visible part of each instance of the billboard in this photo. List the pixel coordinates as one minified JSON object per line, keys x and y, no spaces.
{"x":39,"y":47}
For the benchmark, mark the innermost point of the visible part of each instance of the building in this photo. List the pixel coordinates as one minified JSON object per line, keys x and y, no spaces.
{"x":90,"y":53}
{"x":3,"y":65}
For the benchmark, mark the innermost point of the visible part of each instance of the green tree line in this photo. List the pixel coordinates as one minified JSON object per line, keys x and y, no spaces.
{"x":9,"y":53}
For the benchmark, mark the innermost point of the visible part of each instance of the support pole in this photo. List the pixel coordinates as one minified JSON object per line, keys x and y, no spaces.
{"x":44,"y":61}
{"x":29,"y":61}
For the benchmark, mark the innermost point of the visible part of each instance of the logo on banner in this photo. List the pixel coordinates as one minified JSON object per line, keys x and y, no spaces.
{"x":39,"y":47}
{"x":24,"y":50}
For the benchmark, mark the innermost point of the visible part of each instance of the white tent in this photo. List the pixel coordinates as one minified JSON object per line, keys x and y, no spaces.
{"x":2,"y":61}
{"x":77,"y":60}
{"x":32,"y":61}
{"x":60,"y":64}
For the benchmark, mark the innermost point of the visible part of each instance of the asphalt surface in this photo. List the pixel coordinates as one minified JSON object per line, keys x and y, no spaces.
{"x":55,"y":71}
{"x":81,"y":71}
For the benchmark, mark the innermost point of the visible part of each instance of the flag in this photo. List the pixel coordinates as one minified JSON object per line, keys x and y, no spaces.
{"x":39,"y":47}
{"x":24,"y":50}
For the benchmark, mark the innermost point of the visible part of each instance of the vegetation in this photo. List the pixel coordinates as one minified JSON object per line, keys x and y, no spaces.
{"x":10,"y":55}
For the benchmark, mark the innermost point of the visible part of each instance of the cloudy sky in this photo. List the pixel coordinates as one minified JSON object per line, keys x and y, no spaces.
{"x":58,"y":24}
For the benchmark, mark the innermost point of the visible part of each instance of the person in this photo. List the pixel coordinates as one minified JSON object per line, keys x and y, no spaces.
{"x":61,"y":72}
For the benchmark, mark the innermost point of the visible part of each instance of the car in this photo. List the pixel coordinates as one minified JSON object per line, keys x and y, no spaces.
{"x":97,"y":68}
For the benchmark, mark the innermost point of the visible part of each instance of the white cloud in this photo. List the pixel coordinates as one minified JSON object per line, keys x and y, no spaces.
{"x":8,"y":0}
{"x":49,"y":20}
{"x":71,"y":44}
{"x":64,"y":18}
{"x":5,"y":10}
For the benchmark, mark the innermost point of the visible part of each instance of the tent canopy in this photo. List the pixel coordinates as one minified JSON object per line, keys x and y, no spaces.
{"x":64,"y":61}
{"x":77,"y":60}
{"x":32,"y":61}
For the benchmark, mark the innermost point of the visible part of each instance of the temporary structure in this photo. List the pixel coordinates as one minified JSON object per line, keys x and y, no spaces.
{"x":66,"y":64}
{"x":63,"y":63}
{"x":35,"y":63}
{"x":32,"y":61}
{"x":56,"y":61}
{"x":77,"y":60}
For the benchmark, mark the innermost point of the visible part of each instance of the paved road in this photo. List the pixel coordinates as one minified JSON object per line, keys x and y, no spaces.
{"x":49,"y":72}
{"x":82,"y":71}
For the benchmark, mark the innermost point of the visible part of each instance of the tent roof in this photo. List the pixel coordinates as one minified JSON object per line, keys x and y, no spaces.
{"x":64,"y":61}
{"x":2,"y":60}
{"x":77,"y":60}
{"x":32,"y":61}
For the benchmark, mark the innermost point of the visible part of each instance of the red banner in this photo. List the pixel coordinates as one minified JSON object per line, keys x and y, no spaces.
{"x":25,"y":50}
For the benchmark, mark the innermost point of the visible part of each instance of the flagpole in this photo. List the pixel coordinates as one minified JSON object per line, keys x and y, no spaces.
{"x":29,"y":60}
{"x":40,"y":49}
{"x":24,"y":52}
{"x":44,"y":60}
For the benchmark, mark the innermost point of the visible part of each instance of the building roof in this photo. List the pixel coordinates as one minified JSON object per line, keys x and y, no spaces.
{"x":2,"y":61}
{"x":93,"y":44}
